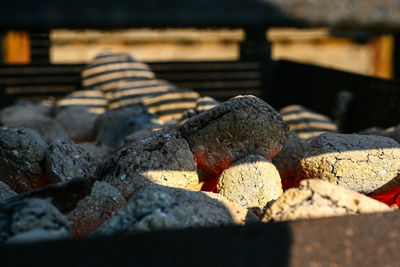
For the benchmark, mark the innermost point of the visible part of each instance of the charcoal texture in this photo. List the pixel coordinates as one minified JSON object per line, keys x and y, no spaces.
{"x":90,"y":212}
{"x":113,"y":126}
{"x":240,"y":126}
{"x":22,"y":154}
{"x":30,"y":214}
{"x":48,"y":128}
{"x":63,"y":196}
{"x":23,"y":111}
{"x":316,"y":198}
{"x":6,"y":192}
{"x":287,"y":161}
{"x":164,"y":158}
{"x":251,"y":182}
{"x":359,"y":162}
{"x":78,"y":122}
{"x":392,"y":132}
{"x":144,"y":133}
{"x":66,"y":161}
{"x":96,"y":150}
{"x":38,"y":235}
{"x":158,"y":208}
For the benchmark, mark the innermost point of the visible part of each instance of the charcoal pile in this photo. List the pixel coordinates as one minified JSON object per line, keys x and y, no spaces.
{"x":133,"y":153}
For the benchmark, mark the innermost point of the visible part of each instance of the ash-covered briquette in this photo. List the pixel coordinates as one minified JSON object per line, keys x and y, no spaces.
{"x":316,"y":198}
{"x":306,"y":123}
{"x":22,"y":154}
{"x":38,"y":235}
{"x":142,"y":134}
{"x":392,"y":132}
{"x":113,"y":126}
{"x":158,"y":208}
{"x":6,"y":192}
{"x":164,"y":158}
{"x":96,"y":150}
{"x":23,"y":111}
{"x":90,"y":212}
{"x":78,"y":122}
{"x":226,"y":133}
{"x":35,"y":117}
{"x":287,"y":161}
{"x":251,"y":182}
{"x":66,"y":161}
{"x":30,"y":214}
{"x":359,"y":162}
{"x":48,"y":129}
{"x":63,"y":196}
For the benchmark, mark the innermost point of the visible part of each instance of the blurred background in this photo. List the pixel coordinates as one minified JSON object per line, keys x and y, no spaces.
{"x":350,"y":52}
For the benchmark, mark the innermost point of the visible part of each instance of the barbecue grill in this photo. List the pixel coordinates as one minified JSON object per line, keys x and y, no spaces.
{"x":351,"y":240}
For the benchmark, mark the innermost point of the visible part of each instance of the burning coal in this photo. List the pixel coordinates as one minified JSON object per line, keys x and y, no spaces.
{"x":132,"y":153}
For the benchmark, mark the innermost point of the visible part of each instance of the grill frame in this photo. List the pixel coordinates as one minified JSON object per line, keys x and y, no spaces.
{"x":323,"y":241}
{"x":375,"y":101}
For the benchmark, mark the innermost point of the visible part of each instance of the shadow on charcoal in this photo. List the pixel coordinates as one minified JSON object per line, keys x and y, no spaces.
{"x":254,"y":245}
{"x":64,"y":196}
{"x":156,"y":208}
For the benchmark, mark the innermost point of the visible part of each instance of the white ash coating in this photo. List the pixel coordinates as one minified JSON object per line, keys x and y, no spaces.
{"x":6,"y":192}
{"x":113,"y":126}
{"x":96,"y":150}
{"x":316,"y":198}
{"x":23,"y":111}
{"x":164,"y":158}
{"x":30,"y":214}
{"x":251,"y":182}
{"x":65,"y":161}
{"x":78,"y":122}
{"x":359,"y":162}
{"x":90,"y":212}
{"x":159,"y":208}
{"x":22,"y":152}
{"x":240,"y":126}
{"x":144,"y":133}
{"x":48,"y":129}
{"x":38,"y":235}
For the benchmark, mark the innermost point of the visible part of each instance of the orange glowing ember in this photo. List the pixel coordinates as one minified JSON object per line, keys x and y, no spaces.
{"x":211,"y":165}
{"x":39,"y":181}
{"x":289,"y":180}
{"x":391,"y":197}
{"x":211,"y":174}
{"x":210,"y":184}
